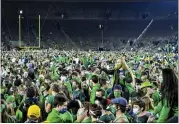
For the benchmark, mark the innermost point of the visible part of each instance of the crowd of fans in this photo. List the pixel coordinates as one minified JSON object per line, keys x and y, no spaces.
{"x":55,"y":86}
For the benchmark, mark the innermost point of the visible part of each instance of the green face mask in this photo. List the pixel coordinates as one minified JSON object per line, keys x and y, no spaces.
{"x":117,"y":94}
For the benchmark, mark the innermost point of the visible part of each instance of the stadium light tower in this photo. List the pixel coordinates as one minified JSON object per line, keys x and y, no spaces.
{"x":101,"y":28}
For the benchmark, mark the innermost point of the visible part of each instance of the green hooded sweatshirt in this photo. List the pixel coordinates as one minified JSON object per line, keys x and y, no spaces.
{"x":163,"y":111}
{"x":93,"y":93}
{"x":55,"y":117}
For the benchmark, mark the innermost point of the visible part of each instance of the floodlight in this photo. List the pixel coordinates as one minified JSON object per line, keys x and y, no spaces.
{"x":20,"y":11}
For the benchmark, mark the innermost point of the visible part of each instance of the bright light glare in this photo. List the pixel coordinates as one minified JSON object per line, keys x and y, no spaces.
{"x":21,"y":11}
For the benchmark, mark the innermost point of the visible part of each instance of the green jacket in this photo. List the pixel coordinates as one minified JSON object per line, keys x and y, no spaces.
{"x":68,"y":85}
{"x":50,"y":100}
{"x":93,"y":93}
{"x":67,"y":117}
{"x":163,"y":111}
{"x":55,"y":117}
{"x":156,"y":98}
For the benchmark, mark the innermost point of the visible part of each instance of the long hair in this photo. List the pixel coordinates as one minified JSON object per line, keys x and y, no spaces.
{"x":148,"y":103}
{"x":169,"y":89}
{"x":7,"y":114}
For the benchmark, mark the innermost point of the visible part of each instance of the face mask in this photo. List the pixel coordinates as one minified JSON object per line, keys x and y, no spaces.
{"x":117,"y":94}
{"x":63,"y":110}
{"x":135,"y":110}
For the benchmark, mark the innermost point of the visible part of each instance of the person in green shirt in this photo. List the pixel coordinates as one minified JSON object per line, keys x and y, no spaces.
{"x":168,"y":107}
{"x":156,"y":95}
{"x":49,"y":102}
{"x":43,"y":97}
{"x":117,"y":92}
{"x":104,"y":86}
{"x":96,"y":86}
{"x":11,"y":99}
{"x":60,"y":107}
{"x":67,"y":117}
{"x":77,"y":92}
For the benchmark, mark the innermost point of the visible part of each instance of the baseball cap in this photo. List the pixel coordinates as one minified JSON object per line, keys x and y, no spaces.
{"x":33,"y":111}
{"x":121,"y":101}
{"x":118,"y":87}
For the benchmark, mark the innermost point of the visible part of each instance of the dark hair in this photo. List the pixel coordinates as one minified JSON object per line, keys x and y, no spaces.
{"x":73,"y":106}
{"x":59,"y":99}
{"x":47,"y":86}
{"x":97,"y":110}
{"x":102,"y":82}
{"x":139,"y":102}
{"x":145,"y":73}
{"x":86,"y":106}
{"x":103,"y":102}
{"x":95,"y":79}
{"x":30,"y":92}
{"x":169,"y":90}
{"x":55,"y":88}
{"x":75,"y":73}
{"x":122,"y":109}
{"x":83,"y":79}
{"x":100,"y":90}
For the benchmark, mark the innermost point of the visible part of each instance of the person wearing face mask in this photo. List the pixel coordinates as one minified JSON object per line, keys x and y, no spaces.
{"x":77,"y":92}
{"x":60,"y":107}
{"x":120,"y":105}
{"x":140,"y":109}
{"x":49,"y":102}
{"x":117,"y":92}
